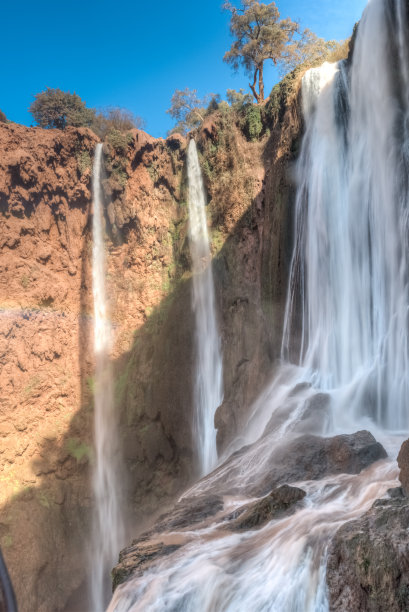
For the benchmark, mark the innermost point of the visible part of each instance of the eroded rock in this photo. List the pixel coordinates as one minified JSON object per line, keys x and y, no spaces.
{"x":188,"y":512}
{"x":138,"y":558}
{"x":403,"y":462}
{"x":368,"y":562}
{"x":282,"y":501}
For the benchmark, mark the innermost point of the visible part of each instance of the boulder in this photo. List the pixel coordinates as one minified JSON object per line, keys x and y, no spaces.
{"x":188,"y":512}
{"x":281,"y":502}
{"x":138,"y":558}
{"x":368,"y":560}
{"x":403,"y":463}
{"x":311,"y":457}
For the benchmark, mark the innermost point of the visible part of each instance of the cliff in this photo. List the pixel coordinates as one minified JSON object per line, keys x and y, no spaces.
{"x":46,"y":413}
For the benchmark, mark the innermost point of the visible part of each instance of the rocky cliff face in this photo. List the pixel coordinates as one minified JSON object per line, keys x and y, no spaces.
{"x":45,"y":406}
{"x":46,"y":368}
{"x":368,"y":565}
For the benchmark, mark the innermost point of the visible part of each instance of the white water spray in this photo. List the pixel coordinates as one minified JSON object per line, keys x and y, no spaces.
{"x":351,"y":257}
{"x":107,"y":536}
{"x":208,"y":393}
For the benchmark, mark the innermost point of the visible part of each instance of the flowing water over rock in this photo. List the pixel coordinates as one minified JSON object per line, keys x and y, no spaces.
{"x":107,"y":533}
{"x":249,"y":548}
{"x":209,"y":370}
{"x":352,"y":226}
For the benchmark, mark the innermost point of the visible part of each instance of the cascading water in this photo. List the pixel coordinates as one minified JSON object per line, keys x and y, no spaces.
{"x":107,"y":532}
{"x":208,"y":392}
{"x":349,"y":287}
{"x":352,"y":221}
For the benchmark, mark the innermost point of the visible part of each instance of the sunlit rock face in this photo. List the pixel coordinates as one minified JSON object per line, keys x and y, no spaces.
{"x":46,"y":339}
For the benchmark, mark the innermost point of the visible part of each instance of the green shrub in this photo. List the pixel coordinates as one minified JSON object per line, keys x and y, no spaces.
{"x":120,"y":175}
{"x":54,"y":108}
{"x":115,"y":118}
{"x":84,"y":161}
{"x":238,"y":99}
{"x":78,"y":449}
{"x":118,"y":140}
{"x":281,"y":94}
{"x":3,"y":118}
{"x":253,"y":124}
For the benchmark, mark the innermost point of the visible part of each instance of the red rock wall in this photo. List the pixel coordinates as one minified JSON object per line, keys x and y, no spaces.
{"x":46,"y":363}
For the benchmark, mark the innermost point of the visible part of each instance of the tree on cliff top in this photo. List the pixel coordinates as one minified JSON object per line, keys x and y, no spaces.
{"x":188,"y":110}
{"x":116,"y":118}
{"x":261,"y":35}
{"x":54,"y":108}
{"x":3,"y":118}
{"x":309,"y":48}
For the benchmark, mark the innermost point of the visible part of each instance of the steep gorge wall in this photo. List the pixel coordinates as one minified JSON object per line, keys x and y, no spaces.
{"x":46,"y":410}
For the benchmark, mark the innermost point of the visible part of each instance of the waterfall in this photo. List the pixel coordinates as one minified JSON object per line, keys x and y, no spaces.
{"x":107,"y":533}
{"x":351,"y":256}
{"x":345,"y":340}
{"x":208,"y":392}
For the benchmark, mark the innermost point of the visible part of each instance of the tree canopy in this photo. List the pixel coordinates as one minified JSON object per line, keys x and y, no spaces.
{"x":188,"y":110}
{"x":308,"y":48}
{"x":54,"y":108}
{"x":115,"y":118}
{"x":3,"y":118}
{"x":238,"y":99}
{"x":261,"y":35}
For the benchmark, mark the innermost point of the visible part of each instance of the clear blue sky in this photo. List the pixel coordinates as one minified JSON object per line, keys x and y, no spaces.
{"x":134,"y":53}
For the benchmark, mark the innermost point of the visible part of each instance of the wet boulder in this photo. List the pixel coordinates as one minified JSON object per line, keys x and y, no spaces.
{"x":281,"y":502}
{"x":189,"y":511}
{"x":166,"y":537}
{"x":368,"y":560}
{"x":138,"y":558}
{"x":309,"y":457}
{"x":403,"y":462}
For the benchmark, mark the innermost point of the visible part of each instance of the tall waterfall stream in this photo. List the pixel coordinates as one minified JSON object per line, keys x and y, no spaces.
{"x":107,"y":536}
{"x":208,"y":393}
{"x":349,"y":289}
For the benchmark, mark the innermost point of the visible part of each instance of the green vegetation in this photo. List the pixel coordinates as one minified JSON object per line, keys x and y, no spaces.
{"x":78,"y":449}
{"x":115,"y":119}
{"x":238,"y":99}
{"x":116,"y":160}
{"x":253,"y":123}
{"x":54,"y":108}
{"x":84,"y":161}
{"x":3,"y":118}
{"x":261,"y":35}
{"x":119,"y":173}
{"x":118,"y":140}
{"x":189,"y":110}
{"x":58,"y":109}
{"x":308,"y":49}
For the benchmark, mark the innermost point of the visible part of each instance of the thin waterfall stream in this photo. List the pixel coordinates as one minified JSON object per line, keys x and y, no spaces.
{"x":345,"y":349}
{"x":208,"y":393}
{"x":107,"y":536}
